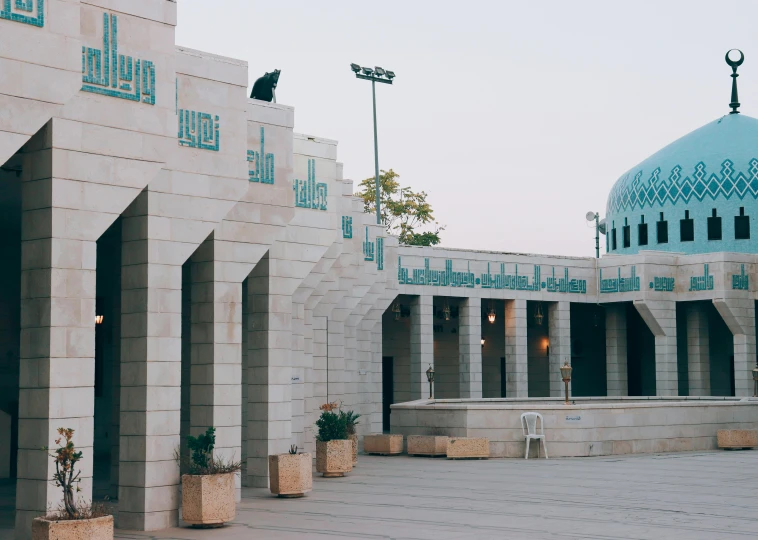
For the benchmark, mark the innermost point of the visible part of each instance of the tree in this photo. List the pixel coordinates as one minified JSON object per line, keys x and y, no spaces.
{"x":403,"y":210}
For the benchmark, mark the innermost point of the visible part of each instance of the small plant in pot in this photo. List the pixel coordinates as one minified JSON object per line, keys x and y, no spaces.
{"x":73,"y":520}
{"x":334,"y":451}
{"x":208,"y":488}
{"x":291,"y":474}
{"x":351,"y":420}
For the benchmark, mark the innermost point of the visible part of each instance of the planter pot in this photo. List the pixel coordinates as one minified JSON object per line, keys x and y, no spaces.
{"x":737,"y":438}
{"x":384,"y":445}
{"x":334,"y":458}
{"x":91,"y":529}
{"x":354,"y":439}
{"x":290,"y":475}
{"x":208,"y":500}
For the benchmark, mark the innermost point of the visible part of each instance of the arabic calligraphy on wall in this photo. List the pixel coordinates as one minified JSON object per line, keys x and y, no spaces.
{"x":109,"y":73}
{"x":620,"y":284}
{"x":30,"y":12}
{"x":741,"y":281}
{"x":663,"y":284}
{"x":380,"y":253}
{"x":263,"y":169}
{"x":501,"y":281}
{"x":702,"y":283}
{"x":368,"y":249}
{"x":373,"y":251}
{"x":198,"y":130}
{"x":308,"y":193}
{"x":347,"y":227}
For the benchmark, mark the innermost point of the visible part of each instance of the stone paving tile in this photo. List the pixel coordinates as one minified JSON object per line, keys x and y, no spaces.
{"x":692,"y":496}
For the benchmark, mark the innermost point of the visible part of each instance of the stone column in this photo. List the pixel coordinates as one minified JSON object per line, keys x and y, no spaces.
{"x":660,"y":317}
{"x":269,"y":426}
{"x":422,"y":344}
{"x":57,"y":366}
{"x":698,"y":350}
{"x":739,"y":315}
{"x":615,"y":350}
{"x":151,"y":317}
{"x":470,"y":348}
{"x":559,"y":330}
{"x":216,"y":359}
{"x":516,"y":359}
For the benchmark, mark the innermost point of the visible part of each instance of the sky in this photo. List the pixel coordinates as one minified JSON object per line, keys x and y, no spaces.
{"x":516,"y":117}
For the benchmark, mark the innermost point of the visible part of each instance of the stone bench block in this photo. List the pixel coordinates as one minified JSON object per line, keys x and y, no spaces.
{"x":383,"y":444}
{"x":737,"y":438}
{"x":427,"y":445}
{"x":468,"y":448}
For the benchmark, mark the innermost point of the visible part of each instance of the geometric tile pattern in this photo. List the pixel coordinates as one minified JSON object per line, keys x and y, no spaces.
{"x":263,"y":169}
{"x":677,"y":188}
{"x":27,"y":11}
{"x":198,"y":130}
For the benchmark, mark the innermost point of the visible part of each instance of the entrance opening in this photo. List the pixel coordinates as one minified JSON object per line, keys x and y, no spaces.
{"x":640,"y":354}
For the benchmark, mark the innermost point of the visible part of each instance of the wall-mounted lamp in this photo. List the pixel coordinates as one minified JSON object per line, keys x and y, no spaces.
{"x":538,"y":315}
{"x":491,"y":315}
{"x":482,"y":342}
{"x":396,"y":310}
{"x":446,"y":311}
{"x":99,"y":319}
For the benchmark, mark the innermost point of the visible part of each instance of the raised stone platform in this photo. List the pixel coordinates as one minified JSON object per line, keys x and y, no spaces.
{"x":737,"y":438}
{"x":427,"y":445}
{"x":384,"y":445}
{"x":589,"y":427}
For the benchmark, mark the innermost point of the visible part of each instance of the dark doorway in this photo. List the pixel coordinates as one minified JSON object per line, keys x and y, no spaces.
{"x":388,"y":390}
{"x":502,"y":376}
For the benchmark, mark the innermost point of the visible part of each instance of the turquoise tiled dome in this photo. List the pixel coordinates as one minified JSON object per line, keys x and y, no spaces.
{"x":709,"y":173}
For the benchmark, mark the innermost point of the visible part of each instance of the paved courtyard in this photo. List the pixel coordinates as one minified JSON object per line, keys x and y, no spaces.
{"x":692,"y":496}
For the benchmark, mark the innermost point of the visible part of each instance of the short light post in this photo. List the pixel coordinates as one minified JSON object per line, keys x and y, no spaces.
{"x":375,"y":75}
{"x":430,"y":378}
{"x":755,"y":379}
{"x":566,"y":376}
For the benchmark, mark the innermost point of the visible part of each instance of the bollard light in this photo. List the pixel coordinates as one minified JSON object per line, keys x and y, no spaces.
{"x":430,"y":378}
{"x":566,"y":376}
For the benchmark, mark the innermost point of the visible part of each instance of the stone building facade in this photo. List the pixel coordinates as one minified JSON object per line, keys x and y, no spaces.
{"x":177,"y":257}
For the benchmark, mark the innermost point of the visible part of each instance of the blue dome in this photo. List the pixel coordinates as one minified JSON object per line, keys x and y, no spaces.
{"x":697,"y":195}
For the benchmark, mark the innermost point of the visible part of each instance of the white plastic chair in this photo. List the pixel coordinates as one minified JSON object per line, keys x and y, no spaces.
{"x":529,"y":427}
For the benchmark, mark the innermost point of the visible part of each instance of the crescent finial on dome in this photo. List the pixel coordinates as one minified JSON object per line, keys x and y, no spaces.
{"x":734,"y":64}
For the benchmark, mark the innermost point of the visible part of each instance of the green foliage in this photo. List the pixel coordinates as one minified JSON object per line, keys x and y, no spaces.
{"x":201,"y":448}
{"x":331,"y":426}
{"x":403,"y":210}
{"x":351,"y":420}
{"x":202,"y":461}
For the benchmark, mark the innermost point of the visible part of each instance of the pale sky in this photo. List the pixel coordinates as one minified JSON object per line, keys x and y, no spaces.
{"x":515,"y":116}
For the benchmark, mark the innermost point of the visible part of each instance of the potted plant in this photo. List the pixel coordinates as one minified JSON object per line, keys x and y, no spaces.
{"x":208,"y":489}
{"x":351,"y":420}
{"x":72,"y":520}
{"x":290,"y":475}
{"x":334,"y":451}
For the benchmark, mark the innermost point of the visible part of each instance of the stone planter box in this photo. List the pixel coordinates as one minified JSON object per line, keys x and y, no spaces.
{"x":737,"y":438}
{"x":468,"y":448}
{"x":208,"y":500}
{"x":334,"y":458}
{"x":91,"y":529}
{"x":384,"y":445}
{"x":427,"y":445}
{"x":354,"y":439}
{"x":290,"y":475}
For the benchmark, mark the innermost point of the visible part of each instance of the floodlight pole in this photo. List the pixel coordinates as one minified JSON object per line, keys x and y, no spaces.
{"x":383,"y":77}
{"x":376,"y":159}
{"x":597,"y":236}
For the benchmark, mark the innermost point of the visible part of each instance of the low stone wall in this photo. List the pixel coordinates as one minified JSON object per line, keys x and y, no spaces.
{"x":588,"y":427}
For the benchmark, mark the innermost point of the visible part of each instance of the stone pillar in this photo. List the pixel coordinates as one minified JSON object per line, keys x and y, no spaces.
{"x":739,"y":315}
{"x":660,"y":317}
{"x":422,"y":344}
{"x":559,"y":330}
{"x":151,"y":317}
{"x":216,"y":355}
{"x":269,"y":425}
{"x":698,"y":350}
{"x":57,"y":366}
{"x":470,"y":348}
{"x":516,"y":359}
{"x":615,"y":350}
